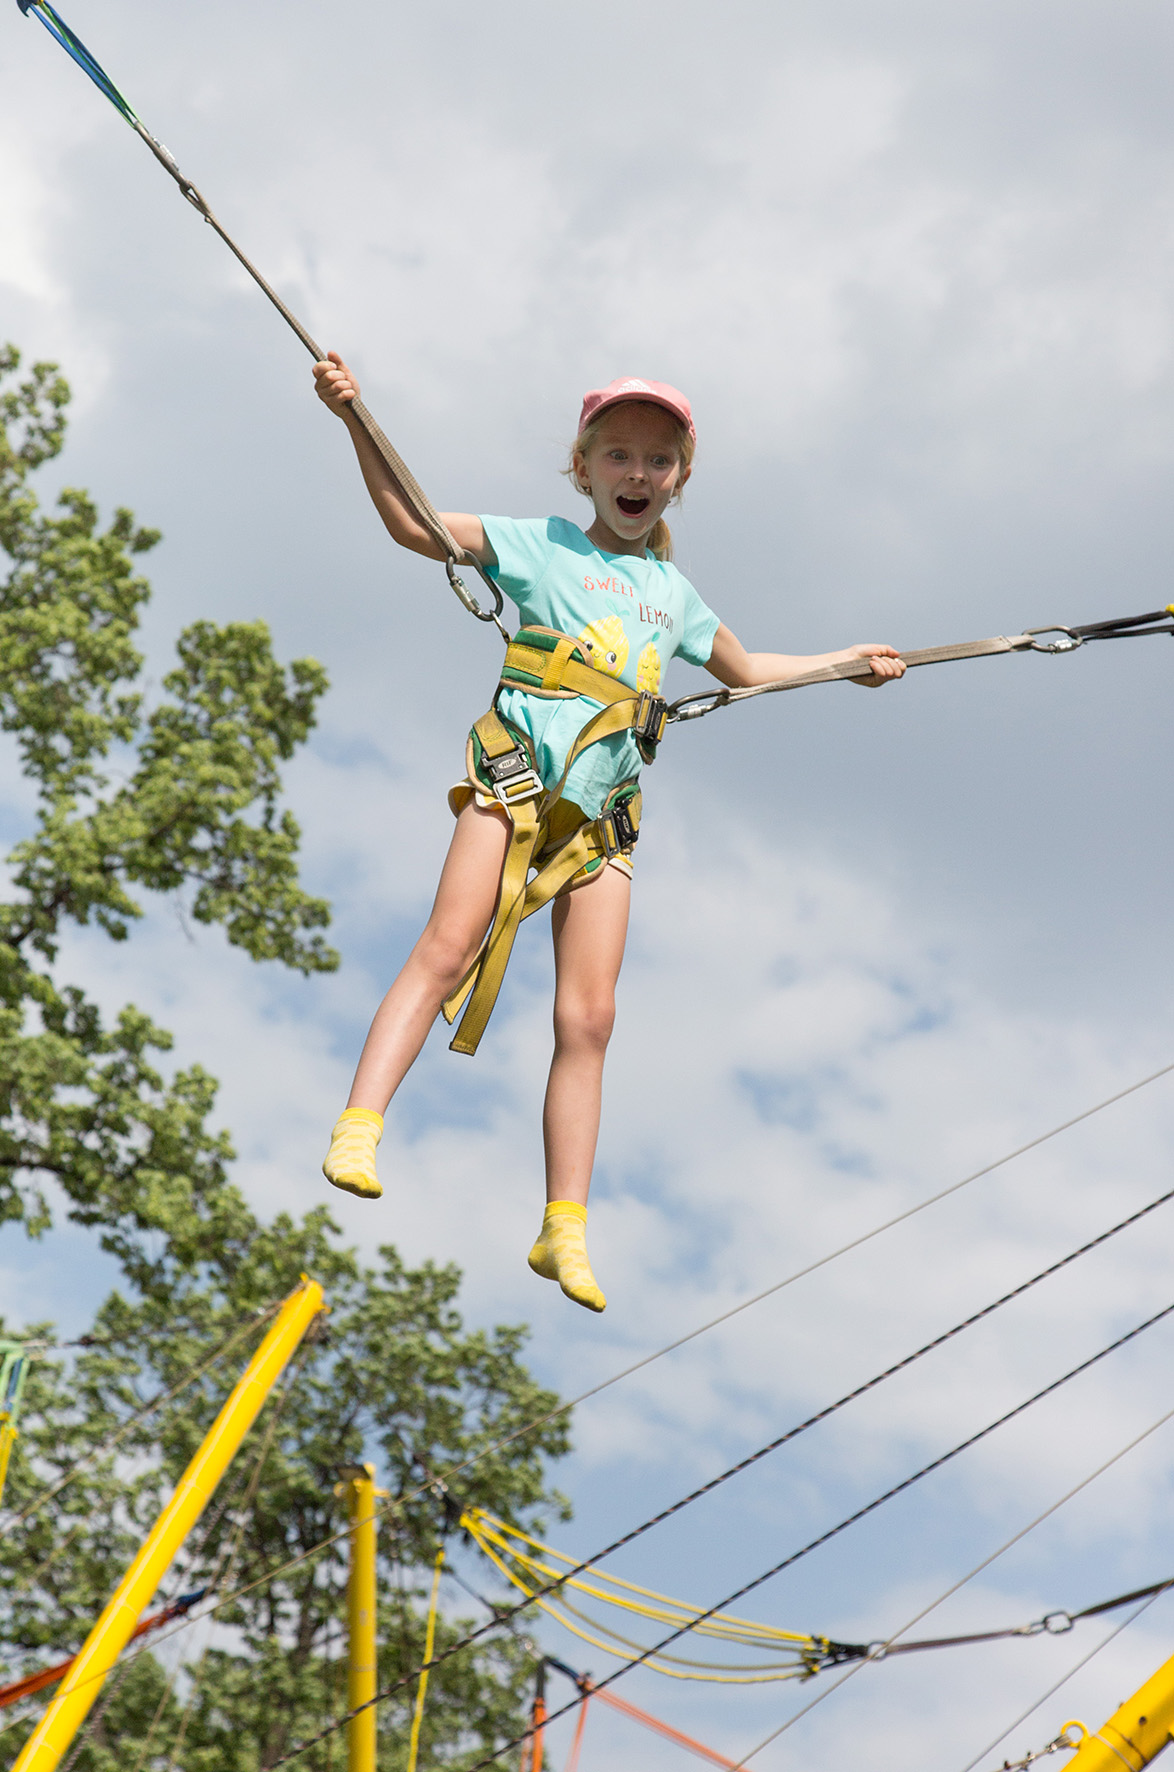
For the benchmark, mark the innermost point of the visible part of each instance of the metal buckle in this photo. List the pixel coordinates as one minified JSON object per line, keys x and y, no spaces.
{"x":617,"y":830}
{"x":651,"y":717}
{"x":512,"y":776}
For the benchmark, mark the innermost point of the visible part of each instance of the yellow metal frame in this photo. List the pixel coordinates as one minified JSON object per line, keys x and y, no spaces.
{"x":68,"y":1710}
{"x":1136,"y":1732}
{"x":358,"y":1485}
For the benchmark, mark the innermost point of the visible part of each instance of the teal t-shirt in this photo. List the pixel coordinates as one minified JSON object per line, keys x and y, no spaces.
{"x":632,"y":616}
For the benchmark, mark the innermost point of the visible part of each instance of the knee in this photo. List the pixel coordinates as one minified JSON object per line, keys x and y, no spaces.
{"x":585,"y":1021}
{"x":445,"y":954}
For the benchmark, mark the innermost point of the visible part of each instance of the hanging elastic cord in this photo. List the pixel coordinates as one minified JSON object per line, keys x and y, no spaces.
{"x":429,"y":1641}
{"x":402,"y":476}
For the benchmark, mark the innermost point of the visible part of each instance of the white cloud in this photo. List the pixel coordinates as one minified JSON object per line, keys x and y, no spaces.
{"x":914,"y":267}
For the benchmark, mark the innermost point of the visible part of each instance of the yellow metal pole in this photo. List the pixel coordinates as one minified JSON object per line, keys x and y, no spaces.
{"x":1135,"y":1734}
{"x":429,"y":1641}
{"x":359,"y":1485}
{"x":81,"y":1686}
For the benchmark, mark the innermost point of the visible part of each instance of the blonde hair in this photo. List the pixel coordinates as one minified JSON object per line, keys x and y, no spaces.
{"x":660,"y":540}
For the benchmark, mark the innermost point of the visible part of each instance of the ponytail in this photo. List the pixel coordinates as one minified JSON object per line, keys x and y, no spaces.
{"x":660,"y":539}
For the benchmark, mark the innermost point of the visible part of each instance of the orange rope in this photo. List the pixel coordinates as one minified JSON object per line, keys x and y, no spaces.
{"x":666,"y":1729}
{"x":573,"y":1757}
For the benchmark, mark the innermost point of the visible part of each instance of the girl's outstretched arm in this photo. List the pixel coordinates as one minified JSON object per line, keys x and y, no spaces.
{"x":732,"y":665}
{"x":336,"y":388}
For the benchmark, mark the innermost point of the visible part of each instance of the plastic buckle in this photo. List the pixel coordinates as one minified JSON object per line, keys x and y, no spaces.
{"x":617,"y":829}
{"x":512,"y":776}
{"x":651,"y":717}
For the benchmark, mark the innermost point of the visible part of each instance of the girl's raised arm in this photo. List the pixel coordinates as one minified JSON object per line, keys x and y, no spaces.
{"x":336,"y":388}
{"x":732,"y":665}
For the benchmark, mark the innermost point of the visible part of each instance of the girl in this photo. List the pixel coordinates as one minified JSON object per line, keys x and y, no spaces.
{"x":605,"y":611}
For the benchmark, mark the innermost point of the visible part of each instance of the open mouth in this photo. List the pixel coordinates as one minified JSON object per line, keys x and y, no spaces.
{"x":632,"y":507}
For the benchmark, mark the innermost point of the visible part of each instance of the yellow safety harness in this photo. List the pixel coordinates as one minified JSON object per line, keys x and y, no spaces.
{"x":565,"y":851}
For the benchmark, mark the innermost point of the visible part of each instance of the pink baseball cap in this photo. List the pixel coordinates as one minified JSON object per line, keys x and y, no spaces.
{"x":658,"y":393}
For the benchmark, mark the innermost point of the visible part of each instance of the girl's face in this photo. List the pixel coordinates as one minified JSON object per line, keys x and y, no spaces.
{"x":632,"y":470}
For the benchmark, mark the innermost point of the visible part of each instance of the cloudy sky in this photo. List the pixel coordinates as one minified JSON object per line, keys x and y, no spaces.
{"x":913,"y":264}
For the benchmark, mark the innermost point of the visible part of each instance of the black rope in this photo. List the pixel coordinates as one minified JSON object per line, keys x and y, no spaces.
{"x":1142,"y":1593}
{"x":773,"y":1446}
{"x":832,"y":1532}
{"x":1055,"y":1624}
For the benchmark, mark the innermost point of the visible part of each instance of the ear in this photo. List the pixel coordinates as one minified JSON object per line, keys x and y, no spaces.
{"x":680,"y":485}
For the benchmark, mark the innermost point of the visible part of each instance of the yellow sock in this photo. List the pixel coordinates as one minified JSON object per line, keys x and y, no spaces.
{"x":350,"y":1161}
{"x":561,"y":1253}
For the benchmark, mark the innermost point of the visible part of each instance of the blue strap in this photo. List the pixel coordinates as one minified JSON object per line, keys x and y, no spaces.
{"x":74,"y":47}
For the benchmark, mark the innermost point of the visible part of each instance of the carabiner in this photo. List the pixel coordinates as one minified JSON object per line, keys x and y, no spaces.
{"x":1068,"y":644}
{"x":691,"y":707}
{"x":470,"y":602}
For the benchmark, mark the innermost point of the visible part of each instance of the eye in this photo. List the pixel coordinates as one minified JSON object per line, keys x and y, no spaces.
{"x":611,"y":657}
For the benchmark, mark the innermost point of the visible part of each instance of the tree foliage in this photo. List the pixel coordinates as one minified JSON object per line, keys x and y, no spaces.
{"x":183,"y":797}
{"x":180,"y":797}
{"x":394,"y":1379}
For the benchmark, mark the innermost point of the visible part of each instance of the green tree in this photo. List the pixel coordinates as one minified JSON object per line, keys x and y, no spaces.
{"x":181,"y":797}
{"x":395,"y":1379}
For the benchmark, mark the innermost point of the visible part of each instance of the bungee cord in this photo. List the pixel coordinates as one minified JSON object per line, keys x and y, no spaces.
{"x":451,"y":550}
{"x":795,"y":1557}
{"x":225,"y":1568}
{"x":437,"y":1484}
{"x":140,"y":1415}
{"x":955,"y":1586}
{"x":446,"y":1476}
{"x":687,"y":707}
{"x":1055,"y":1687}
{"x":798,"y":1655}
{"x":1023,"y":1532}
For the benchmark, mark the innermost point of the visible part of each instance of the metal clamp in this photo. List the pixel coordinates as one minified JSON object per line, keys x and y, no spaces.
{"x":1068,"y":644}
{"x":651,"y":717}
{"x":512,"y":776}
{"x":617,"y":830}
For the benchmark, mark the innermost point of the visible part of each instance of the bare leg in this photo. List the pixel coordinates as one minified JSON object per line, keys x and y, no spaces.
{"x":465,"y":902}
{"x":589,"y":927}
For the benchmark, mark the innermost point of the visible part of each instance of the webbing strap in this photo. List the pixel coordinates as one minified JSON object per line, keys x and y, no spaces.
{"x":557,"y":670}
{"x":690,"y":707}
{"x":482,"y":982}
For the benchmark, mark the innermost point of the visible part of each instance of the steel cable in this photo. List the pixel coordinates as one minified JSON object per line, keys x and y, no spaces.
{"x":713,"y":1323}
{"x":1053,"y":1689}
{"x":823,"y":1538}
{"x":986,"y":1561}
{"x":140,"y":1415}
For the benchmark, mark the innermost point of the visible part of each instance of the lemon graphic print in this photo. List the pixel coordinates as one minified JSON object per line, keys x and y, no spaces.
{"x":606,"y":644}
{"x":648,"y":669}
